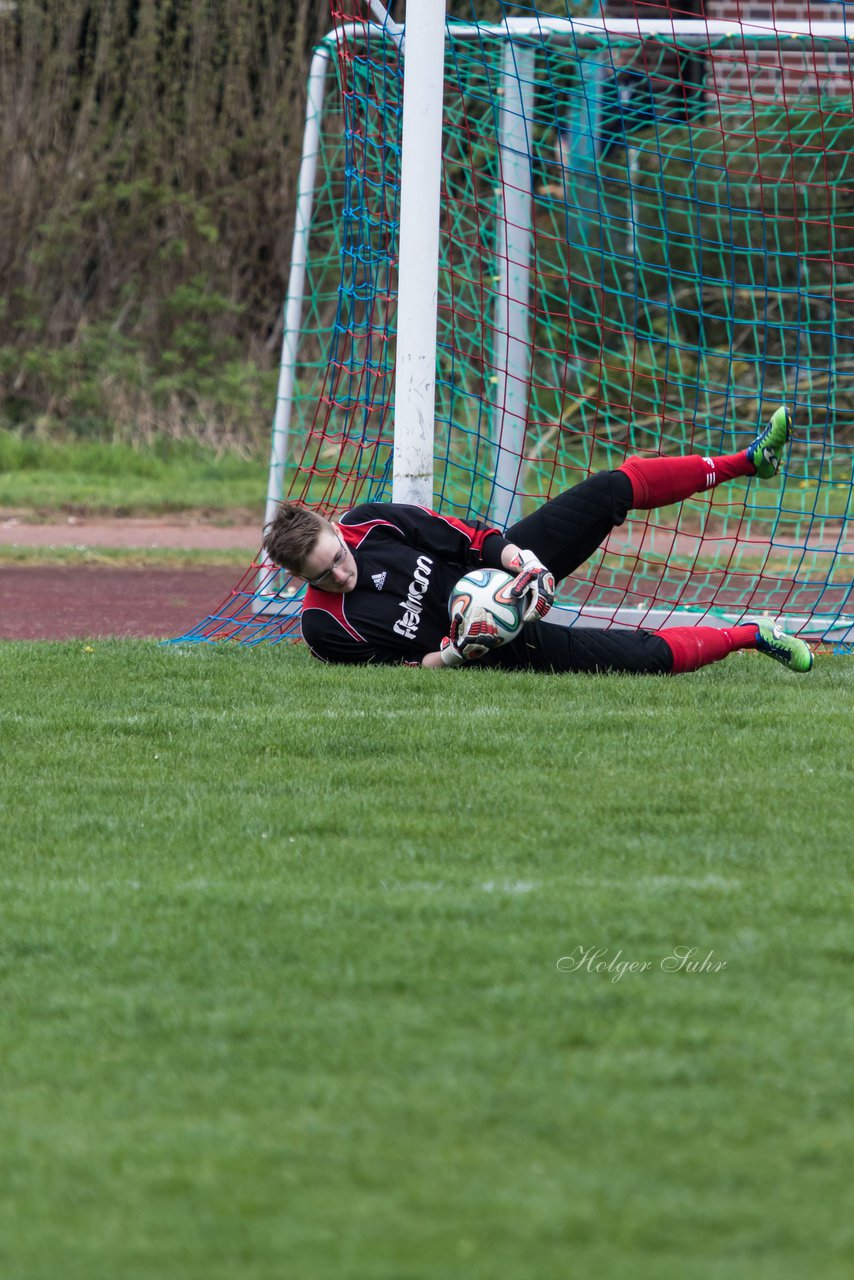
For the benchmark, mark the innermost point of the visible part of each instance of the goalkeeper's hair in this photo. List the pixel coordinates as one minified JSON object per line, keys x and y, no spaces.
{"x":292,"y":535}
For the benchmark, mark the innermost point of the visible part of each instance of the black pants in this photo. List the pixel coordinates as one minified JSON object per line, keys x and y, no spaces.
{"x":564,"y":533}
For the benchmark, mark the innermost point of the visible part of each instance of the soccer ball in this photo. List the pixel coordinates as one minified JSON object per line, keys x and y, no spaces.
{"x":483,"y":602}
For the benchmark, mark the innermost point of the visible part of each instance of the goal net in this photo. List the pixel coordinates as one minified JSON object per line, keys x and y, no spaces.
{"x":646,"y":244}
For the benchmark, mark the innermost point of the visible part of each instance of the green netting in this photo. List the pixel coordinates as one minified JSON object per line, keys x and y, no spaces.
{"x":690,"y":245}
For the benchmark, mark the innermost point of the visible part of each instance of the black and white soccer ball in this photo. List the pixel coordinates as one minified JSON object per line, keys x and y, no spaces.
{"x":484,"y":605}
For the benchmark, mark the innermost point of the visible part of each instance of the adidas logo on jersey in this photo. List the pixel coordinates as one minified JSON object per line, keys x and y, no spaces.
{"x":378,"y":579}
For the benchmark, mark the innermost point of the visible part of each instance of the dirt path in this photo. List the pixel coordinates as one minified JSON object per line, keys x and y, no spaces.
{"x":180,"y":532}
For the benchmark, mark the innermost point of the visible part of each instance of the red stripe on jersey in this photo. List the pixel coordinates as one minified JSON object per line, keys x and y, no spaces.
{"x":354,"y":534}
{"x":333,"y":604}
{"x":476,"y":537}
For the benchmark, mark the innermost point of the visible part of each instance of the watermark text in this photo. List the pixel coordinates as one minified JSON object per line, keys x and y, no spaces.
{"x":615,"y":965}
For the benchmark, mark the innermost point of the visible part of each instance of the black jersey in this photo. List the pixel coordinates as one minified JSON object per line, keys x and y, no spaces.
{"x":409,"y":559}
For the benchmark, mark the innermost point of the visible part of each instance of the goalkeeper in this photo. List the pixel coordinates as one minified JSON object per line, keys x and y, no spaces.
{"x":379,"y":579}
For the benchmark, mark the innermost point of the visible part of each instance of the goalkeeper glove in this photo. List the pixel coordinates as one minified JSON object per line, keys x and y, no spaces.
{"x":533,"y":580}
{"x":461,"y":646}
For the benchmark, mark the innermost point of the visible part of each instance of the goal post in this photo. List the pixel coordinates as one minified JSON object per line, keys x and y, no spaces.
{"x":418,"y":267}
{"x":619,"y":264}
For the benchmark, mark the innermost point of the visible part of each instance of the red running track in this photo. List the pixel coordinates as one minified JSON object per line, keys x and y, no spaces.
{"x":85,"y":602}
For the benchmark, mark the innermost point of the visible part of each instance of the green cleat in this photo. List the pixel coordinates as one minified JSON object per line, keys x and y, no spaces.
{"x":766,"y":452}
{"x":792,"y":652}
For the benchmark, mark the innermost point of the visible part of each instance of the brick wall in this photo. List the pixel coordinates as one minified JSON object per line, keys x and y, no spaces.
{"x":778,"y":11}
{"x":795,"y":69}
{"x":800,"y":68}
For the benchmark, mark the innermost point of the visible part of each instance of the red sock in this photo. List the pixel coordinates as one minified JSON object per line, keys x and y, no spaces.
{"x":695,"y":647}
{"x":656,"y":482}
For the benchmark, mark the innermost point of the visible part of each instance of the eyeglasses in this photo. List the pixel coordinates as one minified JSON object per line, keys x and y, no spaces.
{"x":336,"y":563}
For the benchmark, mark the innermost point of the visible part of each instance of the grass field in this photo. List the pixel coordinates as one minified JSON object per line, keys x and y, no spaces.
{"x":281,"y":992}
{"x":96,"y":477}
